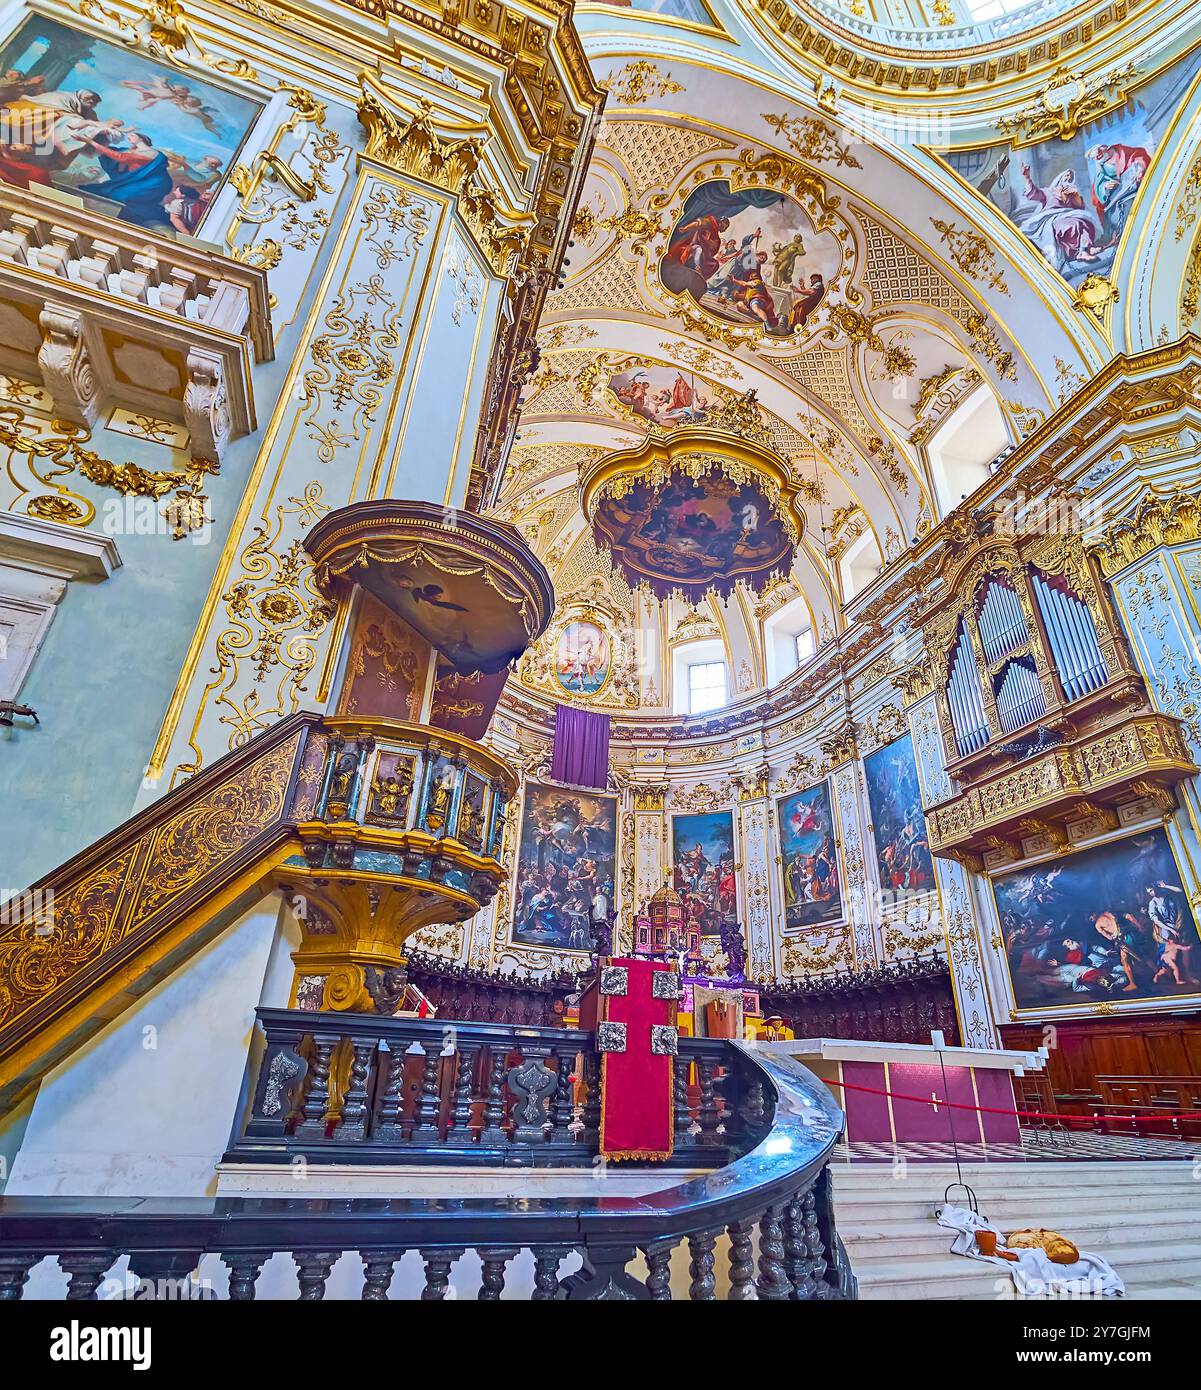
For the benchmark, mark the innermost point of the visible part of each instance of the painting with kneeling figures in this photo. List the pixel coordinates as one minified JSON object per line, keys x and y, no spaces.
{"x":565,"y":862}
{"x":1112,"y":922}
{"x":133,"y":138}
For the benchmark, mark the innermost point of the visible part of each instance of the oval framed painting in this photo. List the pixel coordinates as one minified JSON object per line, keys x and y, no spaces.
{"x":751,"y":257}
{"x":583,"y":658}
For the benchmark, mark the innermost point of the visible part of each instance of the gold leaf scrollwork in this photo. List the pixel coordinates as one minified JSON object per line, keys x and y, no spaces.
{"x":64,"y":453}
{"x":275,"y":613}
{"x":161,"y":30}
{"x":448,"y":155}
{"x":811,"y":138}
{"x":639,"y":81}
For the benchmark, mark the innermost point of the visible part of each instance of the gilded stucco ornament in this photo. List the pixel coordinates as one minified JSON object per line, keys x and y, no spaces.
{"x":1094,"y":295}
{"x":161,"y":30}
{"x":1068,"y":102}
{"x":447,"y":153}
{"x":63,"y":453}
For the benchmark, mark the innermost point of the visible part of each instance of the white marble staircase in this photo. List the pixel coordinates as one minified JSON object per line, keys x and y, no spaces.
{"x":1143,"y":1217}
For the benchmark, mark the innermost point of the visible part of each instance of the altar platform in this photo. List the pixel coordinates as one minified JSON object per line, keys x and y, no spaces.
{"x":899,"y":1092}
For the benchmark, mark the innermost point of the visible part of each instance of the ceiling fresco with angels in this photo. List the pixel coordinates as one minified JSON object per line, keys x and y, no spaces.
{"x":886,"y":312}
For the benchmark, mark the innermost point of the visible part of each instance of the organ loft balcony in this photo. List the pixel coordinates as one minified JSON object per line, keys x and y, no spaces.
{"x":102,"y":313}
{"x":1048,"y":732}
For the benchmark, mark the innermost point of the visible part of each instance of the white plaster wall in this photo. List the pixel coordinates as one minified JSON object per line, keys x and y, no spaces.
{"x":146,"y":1107}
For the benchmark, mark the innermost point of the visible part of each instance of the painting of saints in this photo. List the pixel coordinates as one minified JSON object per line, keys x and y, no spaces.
{"x":582,"y":659}
{"x":130,"y":137}
{"x":703,"y":874}
{"x":893,"y":793}
{"x":750,"y":256}
{"x":1073,"y":198}
{"x":565,"y":867}
{"x":1112,"y":922}
{"x":662,"y":395}
{"x":691,"y":10}
{"x":812,"y":891}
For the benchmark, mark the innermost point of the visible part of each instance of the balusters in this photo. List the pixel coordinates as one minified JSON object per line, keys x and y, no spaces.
{"x":316,"y":1102}
{"x":460,"y":1113}
{"x":438,"y":1264}
{"x":354,"y":1103}
{"x":681,"y":1111}
{"x":658,"y":1263}
{"x":796,"y":1250}
{"x":377,"y":1273}
{"x":494,"y":1103}
{"x":85,"y":1272}
{"x":313,"y":1269}
{"x":430,"y":1102}
{"x":244,"y":1268}
{"x":547,"y":1259}
{"x":814,"y":1245}
{"x":742,"y":1262}
{"x":703,"y":1288}
{"x":774,"y":1283}
{"x":493,"y":1278}
{"x":389,"y":1126}
{"x":708,"y":1106}
{"x":14,"y":1272}
{"x":563,"y":1105}
{"x":592,"y":1102}
{"x":754,"y":1109}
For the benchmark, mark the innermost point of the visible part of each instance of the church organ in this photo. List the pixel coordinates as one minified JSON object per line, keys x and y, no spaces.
{"x":1044,"y":720}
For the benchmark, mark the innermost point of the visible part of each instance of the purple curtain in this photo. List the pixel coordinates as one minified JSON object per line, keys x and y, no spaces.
{"x":581,"y":754}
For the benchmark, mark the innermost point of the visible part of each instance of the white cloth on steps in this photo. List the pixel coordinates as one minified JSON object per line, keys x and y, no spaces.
{"x":1034,"y":1275}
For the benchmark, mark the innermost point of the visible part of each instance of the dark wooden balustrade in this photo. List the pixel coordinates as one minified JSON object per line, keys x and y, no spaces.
{"x":903,"y":1001}
{"x":773,"y":1202}
{"x":360,"y":1088}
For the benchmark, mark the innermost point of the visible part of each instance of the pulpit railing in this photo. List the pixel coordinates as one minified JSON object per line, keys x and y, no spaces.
{"x":767,"y":1215}
{"x":361,"y":1088}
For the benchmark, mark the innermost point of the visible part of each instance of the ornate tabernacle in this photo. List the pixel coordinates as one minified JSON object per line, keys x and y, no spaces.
{"x":1045,"y":722}
{"x":695,"y":510}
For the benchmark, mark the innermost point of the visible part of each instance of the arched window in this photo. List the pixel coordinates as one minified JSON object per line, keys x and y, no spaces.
{"x":706,"y":686}
{"x":964,"y":445}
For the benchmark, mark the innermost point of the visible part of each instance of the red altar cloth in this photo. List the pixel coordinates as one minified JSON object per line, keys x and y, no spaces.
{"x":636,"y":1083}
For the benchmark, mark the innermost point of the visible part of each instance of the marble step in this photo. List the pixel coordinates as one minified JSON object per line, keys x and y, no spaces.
{"x":1045,"y":1211}
{"x":872,"y":1176}
{"x":911,"y":1239}
{"x":946,"y":1276}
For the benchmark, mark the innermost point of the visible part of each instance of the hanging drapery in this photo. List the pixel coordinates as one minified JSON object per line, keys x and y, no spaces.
{"x":581,"y":755}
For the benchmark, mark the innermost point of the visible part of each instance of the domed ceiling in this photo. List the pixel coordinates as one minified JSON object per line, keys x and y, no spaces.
{"x":742,"y":239}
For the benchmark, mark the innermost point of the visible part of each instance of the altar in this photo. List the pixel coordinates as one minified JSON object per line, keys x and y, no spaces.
{"x":900,"y":1091}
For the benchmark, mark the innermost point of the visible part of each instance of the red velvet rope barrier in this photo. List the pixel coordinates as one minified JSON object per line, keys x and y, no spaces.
{"x":1067,"y":1120}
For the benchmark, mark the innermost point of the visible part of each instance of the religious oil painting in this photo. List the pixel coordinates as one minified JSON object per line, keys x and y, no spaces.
{"x":663,"y":395}
{"x":565,"y":860}
{"x":751,"y":257}
{"x":812,"y":890}
{"x":899,"y":827}
{"x":692,"y":533}
{"x":703,"y":873}
{"x":133,"y":138}
{"x":583,"y":658}
{"x":1112,"y":922}
{"x":693,"y":11}
{"x":1072,"y":198}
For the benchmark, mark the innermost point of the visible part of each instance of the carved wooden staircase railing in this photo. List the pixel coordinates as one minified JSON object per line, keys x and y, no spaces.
{"x":95,"y":933}
{"x":373,"y":827}
{"x":769,"y":1213}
